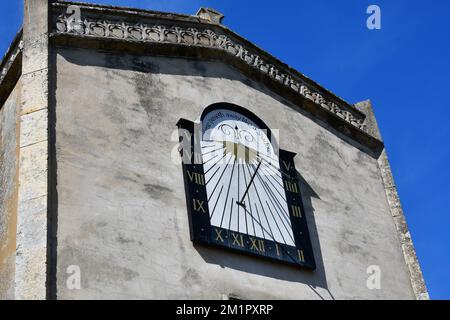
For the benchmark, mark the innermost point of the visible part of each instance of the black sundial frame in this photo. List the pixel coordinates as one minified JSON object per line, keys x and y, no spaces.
{"x":201,"y":230}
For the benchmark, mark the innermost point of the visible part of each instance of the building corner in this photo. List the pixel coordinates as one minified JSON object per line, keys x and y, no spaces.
{"x":393,"y":198}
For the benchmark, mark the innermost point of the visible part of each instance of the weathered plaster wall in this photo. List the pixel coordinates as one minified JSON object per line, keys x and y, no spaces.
{"x":399,"y":218}
{"x":121,"y":204}
{"x":9,"y":170}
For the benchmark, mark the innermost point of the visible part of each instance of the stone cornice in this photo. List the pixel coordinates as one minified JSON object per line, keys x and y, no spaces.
{"x":10,"y":56}
{"x":150,"y":27}
{"x":10,"y":68}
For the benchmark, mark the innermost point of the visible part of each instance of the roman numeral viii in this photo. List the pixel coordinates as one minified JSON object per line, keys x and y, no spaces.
{"x":196,"y":177}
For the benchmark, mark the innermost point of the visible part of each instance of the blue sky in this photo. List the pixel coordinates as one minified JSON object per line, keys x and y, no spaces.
{"x":404,"y":68}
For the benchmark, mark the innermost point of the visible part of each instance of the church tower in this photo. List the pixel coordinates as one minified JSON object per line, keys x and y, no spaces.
{"x":152,"y":155}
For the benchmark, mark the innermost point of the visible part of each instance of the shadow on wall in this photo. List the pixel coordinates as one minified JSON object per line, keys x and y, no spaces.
{"x":199,"y":68}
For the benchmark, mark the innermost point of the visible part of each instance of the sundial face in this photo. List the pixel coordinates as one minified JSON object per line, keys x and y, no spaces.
{"x":242,"y":192}
{"x":244,"y":184}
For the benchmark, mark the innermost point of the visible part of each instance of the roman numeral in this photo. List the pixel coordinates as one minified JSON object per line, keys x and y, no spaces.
{"x":194,"y":157}
{"x":278,"y":249}
{"x":290,"y":186}
{"x":301,"y":257}
{"x":238,"y":239}
{"x":196,"y":177}
{"x":296,"y":211}
{"x":288,"y":165}
{"x":191,"y":157}
{"x":198,"y":205}
{"x":219,"y":235}
{"x":257,"y":245}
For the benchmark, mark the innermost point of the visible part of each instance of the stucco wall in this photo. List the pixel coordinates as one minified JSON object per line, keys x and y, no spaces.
{"x":121,"y":203}
{"x":9,"y":152}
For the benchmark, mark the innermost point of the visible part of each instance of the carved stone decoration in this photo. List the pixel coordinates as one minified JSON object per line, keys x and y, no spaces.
{"x":89,"y":27}
{"x":211,"y":15}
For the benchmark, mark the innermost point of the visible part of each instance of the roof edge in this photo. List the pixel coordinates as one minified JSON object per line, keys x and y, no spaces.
{"x":11,"y":67}
{"x":10,"y":54}
{"x":151,"y":31}
{"x":196,"y":19}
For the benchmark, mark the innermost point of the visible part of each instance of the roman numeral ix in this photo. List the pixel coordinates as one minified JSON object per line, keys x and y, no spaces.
{"x":198,"y":205}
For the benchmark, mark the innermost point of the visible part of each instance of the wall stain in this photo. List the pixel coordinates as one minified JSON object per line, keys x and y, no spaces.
{"x":147,"y":89}
{"x":124,"y":240}
{"x":157,"y":191}
{"x":191,"y":278}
